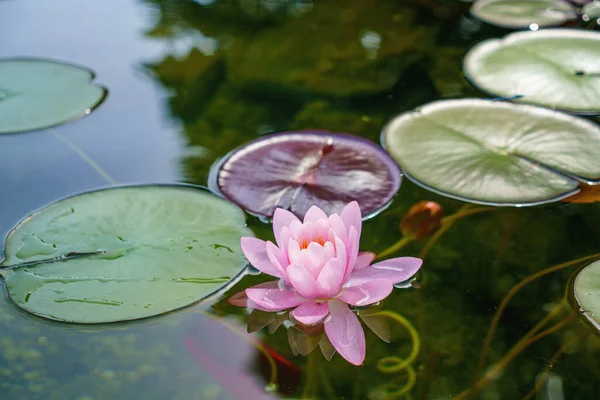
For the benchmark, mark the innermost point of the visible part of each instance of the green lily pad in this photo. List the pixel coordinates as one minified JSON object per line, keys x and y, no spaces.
{"x":558,"y":68}
{"x":518,"y":14}
{"x":124,"y":253}
{"x":586,"y":290}
{"x":495,"y":153}
{"x":38,"y":93}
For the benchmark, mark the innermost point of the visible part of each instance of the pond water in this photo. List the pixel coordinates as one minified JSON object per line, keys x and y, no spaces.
{"x":189,"y":81}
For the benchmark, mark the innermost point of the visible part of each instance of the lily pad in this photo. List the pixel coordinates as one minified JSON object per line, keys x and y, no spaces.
{"x":586,"y":290}
{"x":39,"y":93}
{"x":558,"y":68}
{"x":124,"y":253}
{"x":518,"y":14}
{"x":296,"y":170}
{"x":495,"y":153}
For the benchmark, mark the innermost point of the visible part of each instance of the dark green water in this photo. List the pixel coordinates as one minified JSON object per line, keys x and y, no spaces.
{"x":188,"y":83}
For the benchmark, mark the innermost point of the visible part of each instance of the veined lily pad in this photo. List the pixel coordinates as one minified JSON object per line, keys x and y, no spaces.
{"x":518,"y":14}
{"x":496,"y":153}
{"x":558,"y":68}
{"x":586,"y":290}
{"x":124,"y":253}
{"x":38,"y":93}
{"x":296,"y":170}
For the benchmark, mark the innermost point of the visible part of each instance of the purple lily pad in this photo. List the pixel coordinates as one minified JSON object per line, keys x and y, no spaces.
{"x":296,"y":170}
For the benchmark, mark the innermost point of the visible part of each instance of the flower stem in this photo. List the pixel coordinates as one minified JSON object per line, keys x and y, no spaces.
{"x":395,"y":247}
{"x":447,"y":223}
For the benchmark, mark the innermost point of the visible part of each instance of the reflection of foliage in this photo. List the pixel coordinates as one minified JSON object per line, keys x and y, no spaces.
{"x":192,"y":81}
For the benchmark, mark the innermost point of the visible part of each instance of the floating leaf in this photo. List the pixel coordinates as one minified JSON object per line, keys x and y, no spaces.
{"x":131,"y":252}
{"x":518,"y":14}
{"x":495,"y":153}
{"x":296,"y":170}
{"x":38,"y":93}
{"x":586,"y":290}
{"x":558,"y":68}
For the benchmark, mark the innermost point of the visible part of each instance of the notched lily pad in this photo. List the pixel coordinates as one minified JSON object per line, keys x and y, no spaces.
{"x":40,"y":93}
{"x":296,"y":170}
{"x":558,"y":68}
{"x":495,"y":153}
{"x":518,"y":14}
{"x":124,"y":253}
{"x":586,"y":291}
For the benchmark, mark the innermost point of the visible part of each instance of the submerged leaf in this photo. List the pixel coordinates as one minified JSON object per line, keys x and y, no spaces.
{"x":495,"y":153}
{"x":298,"y":170}
{"x":39,"y":93}
{"x":558,"y":68}
{"x":146,"y":250}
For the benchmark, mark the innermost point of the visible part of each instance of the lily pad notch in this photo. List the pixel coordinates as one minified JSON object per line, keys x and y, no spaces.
{"x":556,"y":68}
{"x":495,"y":153}
{"x":124,"y":253}
{"x":38,"y":93}
{"x":296,"y":170}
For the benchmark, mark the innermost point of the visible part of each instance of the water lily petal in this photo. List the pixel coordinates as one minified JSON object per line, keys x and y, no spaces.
{"x":310,"y":313}
{"x":269,"y":296}
{"x":282,"y":218}
{"x":394,"y":270}
{"x":330,"y":279}
{"x":367,"y":293}
{"x":352,"y":216}
{"x":255,"y":251}
{"x":301,"y":256}
{"x":314,"y":214}
{"x":319,"y":255}
{"x":352,"y":252}
{"x":364,"y":259}
{"x":345,"y":332}
{"x":336,"y":223}
{"x":302,"y":280}
{"x":277,"y":258}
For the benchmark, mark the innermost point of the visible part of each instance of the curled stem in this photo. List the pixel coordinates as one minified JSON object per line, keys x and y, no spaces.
{"x":394,"y":364}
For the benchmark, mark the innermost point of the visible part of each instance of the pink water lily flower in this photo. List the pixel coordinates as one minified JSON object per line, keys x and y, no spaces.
{"x":321,"y":272}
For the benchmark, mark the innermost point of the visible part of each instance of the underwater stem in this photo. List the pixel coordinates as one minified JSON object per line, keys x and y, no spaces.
{"x":517,"y":349}
{"x":550,"y":364}
{"x":447,"y":223}
{"x":85,"y":158}
{"x":496,"y":319}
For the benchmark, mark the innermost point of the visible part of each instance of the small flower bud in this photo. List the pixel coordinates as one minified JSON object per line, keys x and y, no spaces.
{"x":422,"y":220}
